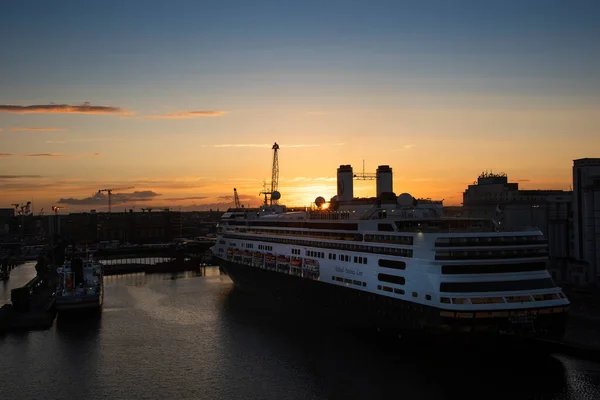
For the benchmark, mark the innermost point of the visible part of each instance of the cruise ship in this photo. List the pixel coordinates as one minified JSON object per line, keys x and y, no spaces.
{"x":395,"y":263}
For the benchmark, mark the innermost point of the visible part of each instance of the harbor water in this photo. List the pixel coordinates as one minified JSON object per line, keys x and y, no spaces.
{"x":191,"y":335}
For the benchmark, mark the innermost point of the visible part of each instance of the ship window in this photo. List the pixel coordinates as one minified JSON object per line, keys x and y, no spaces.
{"x":387,"y":289}
{"x":398,"y":291}
{"x":355,"y":260}
{"x":498,"y":286}
{"x":337,"y":278}
{"x":493,"y":268}
{"x":427,"y":297}
{"x":392,"y":264}
{"x":385,"y":227}
{"x":398,"y":280}
{"x":364,"y":284}
{"x":414,"y":294}
{"x":357,"y":283}
{"x":378,"y":287}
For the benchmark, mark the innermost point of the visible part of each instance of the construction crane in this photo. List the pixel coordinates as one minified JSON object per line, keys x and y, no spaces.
{"x":236,"y":198}
{"x":22,"y":209}
{"x":109,"y":191}
{"x":275,"y":174}
{"x":274,"y":194}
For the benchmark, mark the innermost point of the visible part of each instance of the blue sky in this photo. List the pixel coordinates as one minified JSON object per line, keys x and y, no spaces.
{"x":299,"y":72}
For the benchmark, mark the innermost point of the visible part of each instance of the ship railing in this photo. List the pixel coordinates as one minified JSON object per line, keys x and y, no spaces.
{"x":329,"y":215}
{"x":369,"y":212}
{"x":468,"y":230}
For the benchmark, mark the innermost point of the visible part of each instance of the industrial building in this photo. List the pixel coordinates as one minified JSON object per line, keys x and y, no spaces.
{"x":493,"y":196}
{"x":586,"y":216}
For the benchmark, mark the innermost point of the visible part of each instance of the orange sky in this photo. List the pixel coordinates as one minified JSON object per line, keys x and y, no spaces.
{"x":433,"y":153}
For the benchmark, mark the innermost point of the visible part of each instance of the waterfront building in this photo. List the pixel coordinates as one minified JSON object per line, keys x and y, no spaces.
{"x":493,"y":196}
{"x":586,"y":213}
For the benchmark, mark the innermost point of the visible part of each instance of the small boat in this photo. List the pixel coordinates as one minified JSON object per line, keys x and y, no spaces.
{"x":80,"y":285}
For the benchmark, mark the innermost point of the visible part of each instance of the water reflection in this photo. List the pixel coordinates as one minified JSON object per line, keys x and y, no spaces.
{"x":358,"y":364}
{"x":193,"y":336}
{"x":140,"y":278}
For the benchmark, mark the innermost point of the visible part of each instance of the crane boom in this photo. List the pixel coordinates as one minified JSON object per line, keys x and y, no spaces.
{"x":236,"y":198}
{"x":275,"y":172}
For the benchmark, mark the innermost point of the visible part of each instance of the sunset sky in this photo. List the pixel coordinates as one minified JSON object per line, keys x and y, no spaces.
{"x":182,"y":100}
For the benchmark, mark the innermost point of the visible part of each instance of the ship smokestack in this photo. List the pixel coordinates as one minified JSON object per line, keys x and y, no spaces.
{"x":384,"y":180}
{"x":345,"y":183}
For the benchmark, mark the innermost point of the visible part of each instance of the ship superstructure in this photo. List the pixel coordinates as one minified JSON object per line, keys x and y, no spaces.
{"x":395,"y":262}
{"x":80,"y":285}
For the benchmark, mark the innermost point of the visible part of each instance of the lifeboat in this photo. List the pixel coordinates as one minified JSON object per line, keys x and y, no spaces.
{"x":230,"y":252}
{"x":247,"y":253}
{"x":296,"y":263}
{"x":258,"y":254}
{"x":237,"y":252}
{"x":283,"y":259}
{"x":270,"y":257}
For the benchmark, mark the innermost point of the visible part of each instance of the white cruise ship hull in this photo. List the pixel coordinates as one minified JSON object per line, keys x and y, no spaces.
{"x":358,"y":308}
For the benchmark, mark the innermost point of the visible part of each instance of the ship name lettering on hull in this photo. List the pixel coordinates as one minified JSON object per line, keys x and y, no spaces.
{"x":348,"y":271}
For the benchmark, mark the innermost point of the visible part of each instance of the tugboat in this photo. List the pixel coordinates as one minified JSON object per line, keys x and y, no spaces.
{"x":80,"y":285}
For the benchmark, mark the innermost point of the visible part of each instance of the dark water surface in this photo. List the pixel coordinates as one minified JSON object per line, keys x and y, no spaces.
{"x":192,"y":336}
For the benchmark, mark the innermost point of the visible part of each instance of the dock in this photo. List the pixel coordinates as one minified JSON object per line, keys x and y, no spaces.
{"x":32,"y":306}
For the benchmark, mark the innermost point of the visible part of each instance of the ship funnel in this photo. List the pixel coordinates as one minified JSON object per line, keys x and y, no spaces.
{"x":345,"y":183}
{"x":383,"y":179}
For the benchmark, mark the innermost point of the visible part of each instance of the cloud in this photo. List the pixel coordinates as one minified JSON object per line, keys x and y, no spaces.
{"x":6,"y":177}
{"x":310,"y":179}
{"x":117,"y":198}
{"x":97,"y":155}
{"x":189,"y":114}
{"x":262,"y":145}
{"x":239,"y":145}
{"x":299,"y":145}
{"x":243,"y":197}
{"x":85,"y":140}
{"x":36,"y":129}
{"x":185,"y":198}
{"x":44,"y":155}
{"x":5,"y":154}
{"x":407,"y":147}
{"x":85,"y":108}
